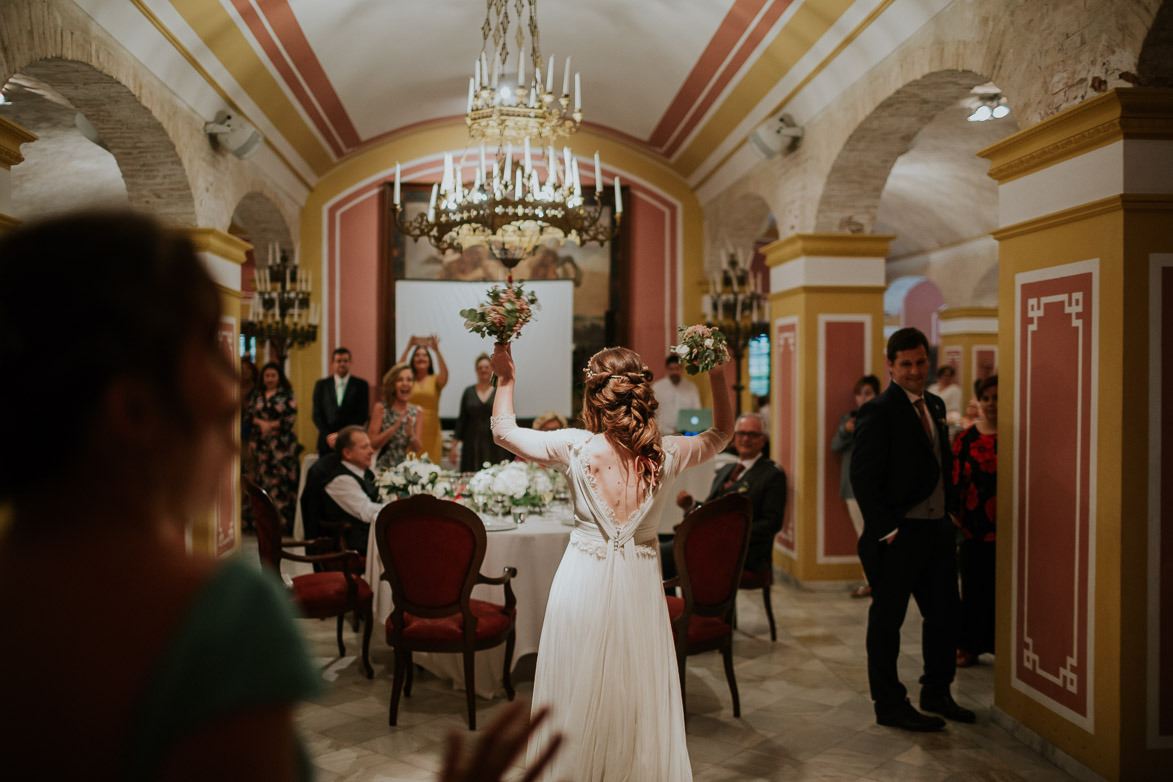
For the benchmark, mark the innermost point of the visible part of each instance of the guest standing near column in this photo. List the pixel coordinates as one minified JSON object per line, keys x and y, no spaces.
{"x":866,"y":389}
{"x":273,"y":413}
{"x":902,"y":474}
{"x":426,"y":393}
{"x":340,"y":400}
{"x":975,"y":470}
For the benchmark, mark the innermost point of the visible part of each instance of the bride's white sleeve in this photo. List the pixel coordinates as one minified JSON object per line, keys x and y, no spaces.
{"x":545,"y":447}
{"x":700,"y":448}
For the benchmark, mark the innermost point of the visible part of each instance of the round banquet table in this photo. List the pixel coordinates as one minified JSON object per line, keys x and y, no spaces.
{"x":535,"y":548}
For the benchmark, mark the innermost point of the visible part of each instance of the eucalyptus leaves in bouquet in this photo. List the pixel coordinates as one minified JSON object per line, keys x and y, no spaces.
{"x":414,"y":475}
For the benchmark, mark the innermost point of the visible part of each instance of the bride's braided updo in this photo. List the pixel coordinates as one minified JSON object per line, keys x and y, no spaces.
{"x":619,"y":402}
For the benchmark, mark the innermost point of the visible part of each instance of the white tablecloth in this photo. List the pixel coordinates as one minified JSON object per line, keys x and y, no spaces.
{"x":535,"y":548}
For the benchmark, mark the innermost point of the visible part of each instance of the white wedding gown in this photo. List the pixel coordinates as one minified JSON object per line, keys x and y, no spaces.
{"x":606,"y":664}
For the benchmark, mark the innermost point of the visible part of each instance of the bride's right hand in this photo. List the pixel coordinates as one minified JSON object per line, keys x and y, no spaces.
{"x":502,"y":362}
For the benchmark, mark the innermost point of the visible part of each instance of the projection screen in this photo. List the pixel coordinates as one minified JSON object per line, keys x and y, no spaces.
{"x":543,"y":352}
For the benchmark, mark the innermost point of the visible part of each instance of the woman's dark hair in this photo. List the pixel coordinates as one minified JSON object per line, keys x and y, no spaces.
{"x":282,"y":381}
{"x":981,"y":385}
{"x":871,"y":381}
{"x":618,"y":400}
{"x":411,"y":361}
{"x":479,"y":359}
{"x":908,"y":338}
{"x":126,"y":298}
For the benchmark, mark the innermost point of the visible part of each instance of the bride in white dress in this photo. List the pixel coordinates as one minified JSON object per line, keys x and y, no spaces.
{"x":606,"y":665}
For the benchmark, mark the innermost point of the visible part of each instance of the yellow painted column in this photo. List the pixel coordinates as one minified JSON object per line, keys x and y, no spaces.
{"x":1085,"y":551}
{"x":827,"y":322}
{"x":969,"y":343}
{"x":11,"y":137}
{"x":218,"y":532}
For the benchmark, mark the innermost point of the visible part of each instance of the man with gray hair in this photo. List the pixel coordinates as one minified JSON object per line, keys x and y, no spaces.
{"x":759,"y":479}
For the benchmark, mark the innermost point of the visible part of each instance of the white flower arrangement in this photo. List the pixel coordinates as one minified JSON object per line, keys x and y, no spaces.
{"x":414,"y":475}
{"x":521,"y":483}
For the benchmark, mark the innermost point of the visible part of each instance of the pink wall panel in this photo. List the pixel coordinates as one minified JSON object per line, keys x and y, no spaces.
{"x":920,"y":305}
{"x":844,"y":356}
{"x":358,"y":244}
{"x":651,"y":289}
{"x":1053,"y":507}
{"x":786,"y":425}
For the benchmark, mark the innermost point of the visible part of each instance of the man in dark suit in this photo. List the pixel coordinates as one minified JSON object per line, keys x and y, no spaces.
{"x":339,"y":400}
{"x":902,"y":474}
{"x":759,"y":479}
{"x":340,"y":489}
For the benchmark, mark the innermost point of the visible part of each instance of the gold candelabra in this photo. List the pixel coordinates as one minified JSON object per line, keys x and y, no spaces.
{"x":738,"y":306}
{"x":281,"y":312}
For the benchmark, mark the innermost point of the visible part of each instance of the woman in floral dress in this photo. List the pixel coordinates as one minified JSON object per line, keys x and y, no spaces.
{"x":396,"y":426}
{"x":975,"y":471}
{"x":273,"y":412}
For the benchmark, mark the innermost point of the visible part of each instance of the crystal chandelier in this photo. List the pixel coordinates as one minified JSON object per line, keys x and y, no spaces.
{"x":504,"y":205}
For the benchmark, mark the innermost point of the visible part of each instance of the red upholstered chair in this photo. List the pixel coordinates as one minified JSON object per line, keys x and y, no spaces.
{"x":711,"y":544}
{"x":762,"y":581}
{"x":432,"y":552}
{"x":317,"y":595}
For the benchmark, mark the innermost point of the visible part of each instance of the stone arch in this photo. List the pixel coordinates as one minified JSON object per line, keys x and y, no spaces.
{"x":263,"y":224}
{"x":1154,"y":67}
{"x":155,"y":179}
{"x":851,"y":194}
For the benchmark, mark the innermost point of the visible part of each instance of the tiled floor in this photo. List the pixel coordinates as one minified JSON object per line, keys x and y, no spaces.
{"x":805,"y":713}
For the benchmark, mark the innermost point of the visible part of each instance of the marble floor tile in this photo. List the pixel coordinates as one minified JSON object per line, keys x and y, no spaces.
{"x":806,"y":714}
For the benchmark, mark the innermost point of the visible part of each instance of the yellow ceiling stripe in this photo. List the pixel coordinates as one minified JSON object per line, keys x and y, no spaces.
{"x":228,"y":44}
{"x":808,"y":24}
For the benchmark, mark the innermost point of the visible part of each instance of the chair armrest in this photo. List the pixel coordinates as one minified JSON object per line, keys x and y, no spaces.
{"x":351,"y":557}
{"x":291,"y":543}
{"x":672,"y":583}
{"x":507,"y":574}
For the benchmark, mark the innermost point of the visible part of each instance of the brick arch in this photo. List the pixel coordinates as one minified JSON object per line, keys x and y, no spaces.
{"x":155,"y":179}
{"x":851,"y":194}
{"x":263,"y":223}
{"x":1154,"y":67}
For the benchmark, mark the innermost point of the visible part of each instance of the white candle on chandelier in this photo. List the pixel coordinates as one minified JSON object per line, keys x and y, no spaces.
{"x":477,"y":73}
{"x":618,"y":197}
{"x":577,"y":93}
{"x":551,"y":167}
{"x":550,"y":74}
{"x":577,"y":181}
{"x":508,"y":163}
{"x":598,"y":175}
{"x":566,"y":162}
{"x":432,"y":203}
{"x":520,"y":68}
{"x":517,"y":191}
{"x":566,"y":79}
{"x":528,"y":166}
{"x":397,"y":184}
{"x":534,"y":185}
{"x":471,"y":89}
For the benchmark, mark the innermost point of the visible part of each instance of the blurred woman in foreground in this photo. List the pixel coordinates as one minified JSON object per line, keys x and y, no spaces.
{"x":154,"y":664}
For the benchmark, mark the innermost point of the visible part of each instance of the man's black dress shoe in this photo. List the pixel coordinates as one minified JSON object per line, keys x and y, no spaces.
{"x":904,"y":716}
{"x":946,"y":707}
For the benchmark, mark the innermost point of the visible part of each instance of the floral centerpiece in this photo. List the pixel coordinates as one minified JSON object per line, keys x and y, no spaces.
{"x":526,"y":484}
{"x":701,"y":348}
{"x":504,"y":314}
{"x":414,"y":475}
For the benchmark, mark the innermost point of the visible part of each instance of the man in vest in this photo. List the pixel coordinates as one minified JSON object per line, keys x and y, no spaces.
{"x":340,"y":488}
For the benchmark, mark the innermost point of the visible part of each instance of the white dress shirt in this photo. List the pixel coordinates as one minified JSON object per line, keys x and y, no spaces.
{"x":351,"y":498}
{"x":673,"y":399}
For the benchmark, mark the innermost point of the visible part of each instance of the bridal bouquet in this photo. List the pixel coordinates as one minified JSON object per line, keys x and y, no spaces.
{"x":701,"y":348}
{"x":521,"y":483}
{"x":503,"y":315}
{"x":414,"y":475}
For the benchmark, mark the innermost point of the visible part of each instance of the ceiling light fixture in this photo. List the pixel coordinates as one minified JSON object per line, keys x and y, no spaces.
{"x":506,"y":207}
{"x":988,"y":107}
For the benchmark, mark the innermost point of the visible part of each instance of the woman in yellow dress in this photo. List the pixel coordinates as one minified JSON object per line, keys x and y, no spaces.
{"x":426,"y":392}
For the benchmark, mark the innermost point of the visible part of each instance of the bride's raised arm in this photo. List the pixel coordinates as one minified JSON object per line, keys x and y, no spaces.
{"x":546,"y":447}
{"x":706,"y":445}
